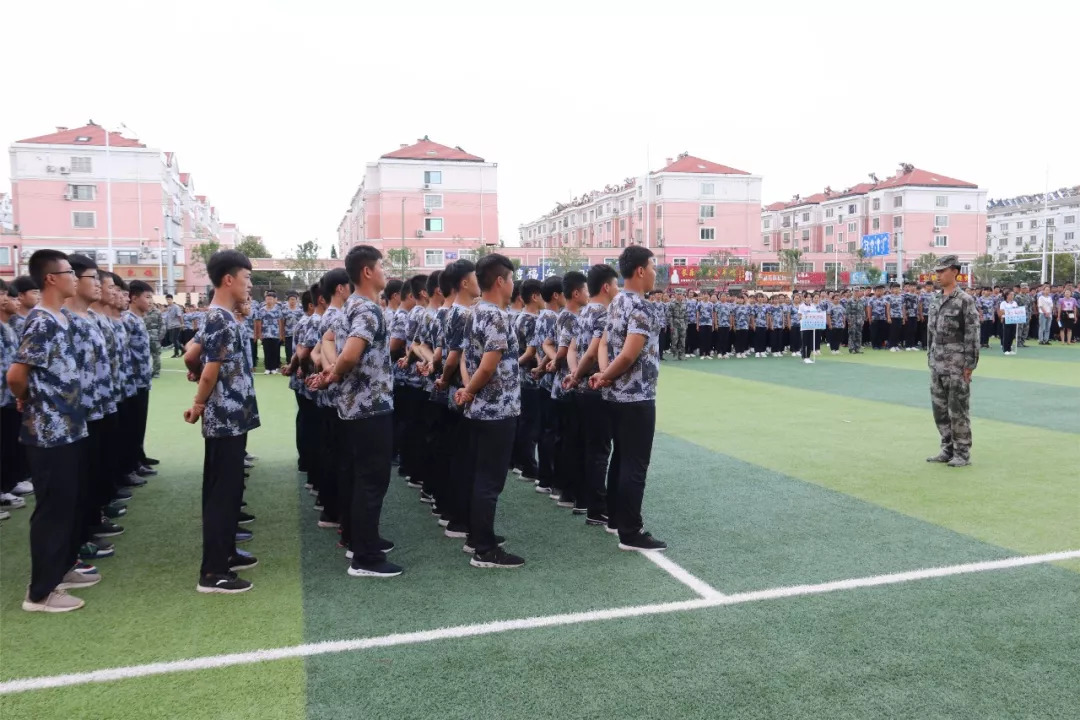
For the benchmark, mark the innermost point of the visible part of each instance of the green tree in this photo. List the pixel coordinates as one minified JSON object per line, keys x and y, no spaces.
{"x":986,"y":271}
{"x":303,"y":262}
{"x":401,"y":260}
{"x":566,"y":259}
{"x":200,"y":254}
{"x":873,"y":274}
{"x":253,"y":247}
{"x":333,"y":252}
{"x":481,"y":250}
{"x":924,"y":264}
{"x":789,"y":263}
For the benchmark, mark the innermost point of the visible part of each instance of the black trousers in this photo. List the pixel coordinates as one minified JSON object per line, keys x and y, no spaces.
{"x":413,"y":438}
{"x":461,"y":472}
{"x":795,"y":337}
{"x":371,"y":443}
{"x":807,"y":343}
{"x":173,"y":339}
{"x":332,"y":466}
{"x":742,"y":340}
{"x":776,"y":340}
{"x":528,"y":432}
{"x":596,"y":431}
{"x":836,"y":334}
{"x":569,"y":458}
{"x":492,"y":442}
{"x":722,"y":341}
{"x":691,"y":338}
{"x":986,"y":328}
{"x":549,"y":433}
{"x":428,"y":415}
{"x":399,"y":423}
{"x":761,"y":339}
{"x":185,"y":337}
{"x":911,"y":333}
{"x":310,"y":455}
{"x":447,"y":461}
{"x":1008,"y":334}
{"x":288,"y":348}
{"x":921,"y":330}
{"x":879,"y":333}
{"x":132,"y":427}
{"x":272,"y":353}
{"x":12,"y":454}
{"x":95,"y":459}
{"x":301,"y":451}
{"x":54,"y":540}
{"x":896,"y":331}
{"x":705,"y":339}
{"x":222,"y":493}
{"x":254,"y":352}
{"x":633,"y":426}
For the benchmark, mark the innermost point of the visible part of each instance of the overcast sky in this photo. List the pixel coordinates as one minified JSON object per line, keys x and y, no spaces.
{"x":274,"y":107}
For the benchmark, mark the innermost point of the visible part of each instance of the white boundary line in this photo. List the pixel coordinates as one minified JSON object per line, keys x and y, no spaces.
{"x":463,"y":631}
{"x":677,"y":571}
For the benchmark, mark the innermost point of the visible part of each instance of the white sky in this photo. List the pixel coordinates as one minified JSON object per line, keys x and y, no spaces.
{"x":276,"y":106}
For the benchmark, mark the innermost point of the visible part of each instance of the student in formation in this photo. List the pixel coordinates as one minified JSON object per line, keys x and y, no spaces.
{"x":760,"y":314}
{"x":270,"y":328}
{"x":292,"y":313}
{"x":528,"y":431}
{"x":569,"y":457}
{"x":365,"y":405}
{"x":806,"y":342}
{"x":334,"y":469}
{"x":836,"y":318}
{"x":45,"y":380}
{"x":705,"y":317}
{"x":173,"y":316}
{"x":742,"y":314}
{"x":225,"y":400}
{"x":544,"y":344}
{"x":133,"y":422}
{"x":724,"y":323}
{"x":28,"y":295}
{"x":877,"y":313}
{"x":492,"y":401}
{"x":629,"y":385}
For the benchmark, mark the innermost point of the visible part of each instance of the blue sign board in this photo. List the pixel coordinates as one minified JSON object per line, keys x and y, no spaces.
{"x":451,"y":255}
{"x":875,"y":245}
{"x":860,"y":277}
{"x":812,"y":320}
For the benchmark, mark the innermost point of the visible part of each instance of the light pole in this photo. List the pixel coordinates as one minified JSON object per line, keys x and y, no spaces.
{"x":836,"y":255}
{"x":160,"y":274}
{"x":108,"y":197}
{"x":403,"y":251}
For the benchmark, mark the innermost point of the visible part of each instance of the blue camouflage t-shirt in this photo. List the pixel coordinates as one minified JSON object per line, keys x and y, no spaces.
{"x":488,"y":330}
{"x":705,"y":313}
{"x":878,"y":307}
{"x":231,"y":409}
{"x":53,"y":414}
{"x":292,"y":317}
{"x":742,"y":317}
{"x":269,"y":317}
{"x":138,"y":341}
{"x":331,"y":320}
{"x":628,"y":315}
{"x":112,"y":355}
{"x":91,"y":355}
{"x":525,"y":327}
{"x":9,"y":344}
{"x":127,"y":379}
{"x":457,"y":322}
{"x":895,"y":304}
{"x":591,"y":326}
{"x":545,"y":331}
{"x":566,"y":329}
{"x":368,"y":389}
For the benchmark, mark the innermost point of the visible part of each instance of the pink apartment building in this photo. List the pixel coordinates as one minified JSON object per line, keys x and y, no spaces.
{"x":689,"y":212}
{"x":72,"y":191}
{"x":439,"y":203}
{"x":923,"y":212}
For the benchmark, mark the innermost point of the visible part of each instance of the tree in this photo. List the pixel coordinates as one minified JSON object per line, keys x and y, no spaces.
{"x":924,"y":264}
{"x":481,"y":250}
{"x":333,"y":252}
{"x":566,"y":259}
{"x":985,"y":270}
{"x":200,"y":254}
{"x":303,"y":263}
{"x":253,"y":247}
{"x":718,"y":258}
{"x":789,"y":263}
{"x":873,"y":274}
{"x":400,"y":261}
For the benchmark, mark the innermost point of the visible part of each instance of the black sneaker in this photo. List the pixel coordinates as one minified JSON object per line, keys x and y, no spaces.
{"x":642,"y":542}
{"x":456,"y":530}
{"x":468,"y":548}
{"x":383,"y":569}
{"x":497,"y":558}
{"x":242,"y":562}
{"x":122,"y":494}
{"x":114,"y":510}
{"x":596,"y":520}
{"x":131,"y":481}
{"x":144,"y":471}
{"x":106,"y":529}
{"x":151,"y":462}
{"x":580,"y":510}
{"x":245,"y":519}
{"x":385,"y":545}
{"x":224,"y":584}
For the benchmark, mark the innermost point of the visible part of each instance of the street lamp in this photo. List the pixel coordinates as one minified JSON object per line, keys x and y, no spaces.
{"x":160,"y":279}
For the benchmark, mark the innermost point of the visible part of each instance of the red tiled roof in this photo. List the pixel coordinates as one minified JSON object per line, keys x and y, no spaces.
{"x":425,"y":149}
{"x":691,"y":164}
{"x":95,"y":133}
{"x":184,"y":178}
{"x":230,"y":225}
{"x":776,"y":206}
{"x":924,"y":178}
{"x":200,"y":198}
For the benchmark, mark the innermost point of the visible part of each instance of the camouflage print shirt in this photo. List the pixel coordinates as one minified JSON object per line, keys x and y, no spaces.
{"x":705,"y":313}
{"x":9,"y":344}
{"x":925,"y":298}
{"x":92,"y":359}
{"x":18,"y":324}
{"x":139,"y":342}
{"x":692,"y":312}
{"x":566,"y":329}
{"x":591,"y":326}
{"x":127,"y":378}
{"x":723,"y":314}
{"x":777,"y":314}
{"x":413,"y":378}
{"x":545,"y":330}
{"x":911,"y":305}
{"x":112,"y":349}
{"x":986,"y":307}
{"x":231,"y":409}
{"x":269,"y":318}
{"x":154,"y":327}
{"x":331,"y":320}
{"x":307,"y":336}
{"x":488,"y":330}
{"x":190,"y":318}
{"x":53,"y":413}
{"x":838,"y":315}
{"x":368,"y":389}
{"x":678,"y":315}
{"x":424,"y":335}
{"x":173,"y":316}
{"x":457,"y":321}
{"x":437,"y":340}
{"x":953,"y":333}
{"x":525,"y":328}
{"x":292,"y":316}
{"x":879,"y":307}
{"x":628,"y":315}
{"x":742,"y":317}
{"x":760,"y":313}
{"x":856,"y":309}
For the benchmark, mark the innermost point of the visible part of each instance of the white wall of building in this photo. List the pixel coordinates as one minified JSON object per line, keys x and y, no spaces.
{"x":408,"y":176}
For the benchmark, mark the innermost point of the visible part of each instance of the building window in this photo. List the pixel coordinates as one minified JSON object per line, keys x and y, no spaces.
{"x":875,"y":204}
{"x":830,"y":212}
{"x":829,"y":248}
{"x":608,"y":228}
{"x":622,"y":204}
{"x":805,"y":234}
{"x":433,"y":258}
{"x":941,"y":201}
{"x":622,"y":225}
{"x":5,"y":256}
{"x":659,"y":187}
{"x":707,"y":211}
{"x":787,"y":237}
{"x":1020,"y":225}
{"x":433,"y":177}
{"x":599,"y":211}
{"x":805,"y":267}
{"x":1049,"y":222}
{"x":770,"y":267}
{"x":81,"y":164}
{"x":659,"y":211}
{"x":637,"y":235}
{"x":890,"y":269}
{"x":839,"y":238}
{"x":806,"y":217}
{"x":832,"y":267}
{"x":897,"y":221}
{"x":941,"y":220}
{"x":433,"y":202}
{"x":898,"y":201}
{"x":1003,"y":242}
{"x":765,"y":240}
{"x":1068,"y":236}
{"x":127,"y":257}
{"x":639,"y":214}
{"x":707,"y":233}
{"x":433,"y":224}
{"x":708,"y":188}
{"x":1019,"y":240}
{"x":1033,"y":238}
{"x":875,"y":224}
{"x":941,"y":241}
{"x":83,"y":220}
{"x":1004,"y":227}
{"x":1070,"y":219}
{"x":679,"y":262}
{"x":766,"y":223}
{"x":852,"y":227}
{"x":852,"y":209}
{"x":851,"y":246}
{"x":469,"y":255}
{"x":81,"y":192}
{"x":828,"y":230}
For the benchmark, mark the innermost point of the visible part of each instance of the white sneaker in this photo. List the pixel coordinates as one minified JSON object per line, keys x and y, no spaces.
{"x":809,"y":361}
{"x":23,"y":488}
{"x":4,"y":514}
{"x":13,"y":502}
{"x":835,"y":352}
{"x":817,"y":352}
{"x":794,"y":354}
{"x":57,"y":601}
{"x":892,"y":349}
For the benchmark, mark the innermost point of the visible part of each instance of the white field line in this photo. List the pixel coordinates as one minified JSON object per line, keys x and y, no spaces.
{"x":463,"y":631}
{"x":683,"y":575}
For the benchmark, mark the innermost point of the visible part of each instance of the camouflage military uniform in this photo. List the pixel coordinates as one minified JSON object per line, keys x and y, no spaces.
{"x":155,"y":328}
{"x":1023,"y":299}
{"x":677,"y":319}
{"x":953,"y":340}
{"x":856,"y":314}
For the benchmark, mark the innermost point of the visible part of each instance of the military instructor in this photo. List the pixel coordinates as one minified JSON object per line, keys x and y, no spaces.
{"x":953,"y":353}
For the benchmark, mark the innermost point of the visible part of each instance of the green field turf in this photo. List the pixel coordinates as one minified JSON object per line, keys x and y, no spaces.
{"x":765,"y":473}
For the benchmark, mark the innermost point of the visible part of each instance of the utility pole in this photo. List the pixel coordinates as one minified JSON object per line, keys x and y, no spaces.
{"x":108,"y":196}
{"x":403,"y":250}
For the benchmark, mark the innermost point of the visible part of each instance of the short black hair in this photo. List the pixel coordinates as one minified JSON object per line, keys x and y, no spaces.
{"x":81,"y":263}
{"x":138,"y":287}
{"x":305,"y":299}
{"x":168,"y":296}
{"x":572,"y":282}
{"x":270,"y":293}
{"x":292,"y":294}
{"x":879,"y":287}
{"x":417,"y":285}
{"x":226,"y":262}
{"x":446,"y":280}
{"x":517,"y":291}
{"x":462,"y":268}
{"x":490,"y":268}
{"x":551,"y":286}
{"x":23,"y":284}
{"x":331,"y":281}
{"x":393,"y":287}
{"x":529,"y":288}
{"x":316,"y":292}
{"x":42,"y":263}
{"x":599,"y":276}
{"x":433,"y":282}
{"x":632,"y":258}
{"x":118,"y":281}
{"x":405,"y":290}
{"x":359,"y":258}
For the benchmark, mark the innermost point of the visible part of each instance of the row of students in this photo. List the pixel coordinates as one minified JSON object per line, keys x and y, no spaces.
{"x":77,"y":366}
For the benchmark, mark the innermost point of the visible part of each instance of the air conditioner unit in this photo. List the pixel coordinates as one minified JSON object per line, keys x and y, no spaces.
{"x":427,"y":211}
{"x":153,"y":256}
{"x":50,"y":168}
{"x":64,"y":169}
{"x":101,"y":256}
{"x":937,"y":229}
{"x":967,"y":207}
{"x":68,"y":196}
{"x":427,"y":186}
{"x":701,"y":221}
{"x":419,"y":233}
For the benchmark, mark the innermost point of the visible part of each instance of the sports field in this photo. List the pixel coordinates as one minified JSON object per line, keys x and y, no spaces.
{"x":819,"y":568}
